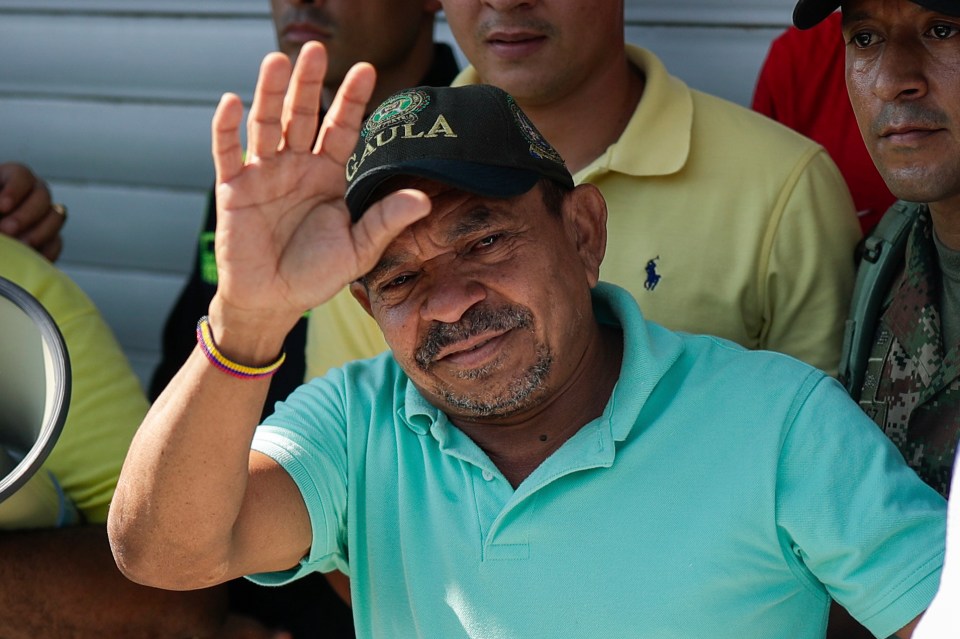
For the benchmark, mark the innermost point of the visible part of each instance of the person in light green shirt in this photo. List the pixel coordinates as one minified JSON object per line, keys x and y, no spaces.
{"x":532,"y":458}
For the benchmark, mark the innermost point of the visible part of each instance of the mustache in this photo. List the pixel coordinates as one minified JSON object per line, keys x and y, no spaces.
{"x":916,"y":114}
{"x":475,"y":321}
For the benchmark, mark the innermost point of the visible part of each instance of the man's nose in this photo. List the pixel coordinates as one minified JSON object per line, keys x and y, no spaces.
{"x":449,"y":296}
{"x":900,"y":72}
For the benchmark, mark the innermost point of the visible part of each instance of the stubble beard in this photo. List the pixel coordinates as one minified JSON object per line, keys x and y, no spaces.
{"x":519,"y":392}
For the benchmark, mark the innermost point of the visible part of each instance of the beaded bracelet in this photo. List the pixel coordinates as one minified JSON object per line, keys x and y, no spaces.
{"x":209,"y":348}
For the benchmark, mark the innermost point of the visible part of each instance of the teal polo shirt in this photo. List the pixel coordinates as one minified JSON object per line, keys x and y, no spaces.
{"x":723,"y":493}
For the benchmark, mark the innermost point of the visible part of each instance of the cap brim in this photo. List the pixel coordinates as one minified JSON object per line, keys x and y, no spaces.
{"x":482,"y":179}
{"x":946,"y":7}
{"x":809,"y":13}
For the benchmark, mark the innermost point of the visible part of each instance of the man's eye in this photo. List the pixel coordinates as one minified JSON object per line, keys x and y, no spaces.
{"x":488,"y":241}
{"x":397,"y":281}
{"x":862,"y":39}
{"x":943,"y":31}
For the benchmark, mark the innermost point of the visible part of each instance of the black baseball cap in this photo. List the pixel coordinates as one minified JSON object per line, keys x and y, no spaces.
{"x":809,"y":13}
{"x":472,"y":137}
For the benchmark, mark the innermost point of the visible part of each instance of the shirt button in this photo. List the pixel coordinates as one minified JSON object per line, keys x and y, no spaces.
{"x":487,"y":475}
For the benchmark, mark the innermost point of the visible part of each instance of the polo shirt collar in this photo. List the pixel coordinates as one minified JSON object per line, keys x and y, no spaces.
{"x":416,"y":412}
{"x":656,"y":140}
{"x":649,"y":351}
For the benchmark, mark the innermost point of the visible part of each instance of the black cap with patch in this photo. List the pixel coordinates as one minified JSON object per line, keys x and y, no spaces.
{"x":473,"y":137}
{"x":809,"y":13}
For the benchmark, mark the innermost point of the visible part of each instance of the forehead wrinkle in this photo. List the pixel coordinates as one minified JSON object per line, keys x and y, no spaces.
{"x":478,"y":219}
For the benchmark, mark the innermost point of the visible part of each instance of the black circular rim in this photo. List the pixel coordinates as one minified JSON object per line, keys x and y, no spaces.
{"x":50,"y":431}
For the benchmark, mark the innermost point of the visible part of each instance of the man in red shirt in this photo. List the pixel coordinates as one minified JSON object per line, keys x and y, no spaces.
{"x":801,"y":85}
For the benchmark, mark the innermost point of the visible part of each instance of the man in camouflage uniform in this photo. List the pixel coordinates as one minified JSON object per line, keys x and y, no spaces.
{"x":901,"y":72}
{"x":912,"y":383}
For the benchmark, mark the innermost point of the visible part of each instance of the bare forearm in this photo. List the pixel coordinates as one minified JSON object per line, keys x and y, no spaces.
{"x":64,"y":583}
{"x":184,"y":479}
{"x":907,"y":631}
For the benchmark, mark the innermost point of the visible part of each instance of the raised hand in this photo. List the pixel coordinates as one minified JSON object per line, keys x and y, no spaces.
{"x":284,"y":241}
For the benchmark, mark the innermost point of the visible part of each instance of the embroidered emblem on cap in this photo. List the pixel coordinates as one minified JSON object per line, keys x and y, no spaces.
{"x":539,"y":148}
{"x":402,"y":108}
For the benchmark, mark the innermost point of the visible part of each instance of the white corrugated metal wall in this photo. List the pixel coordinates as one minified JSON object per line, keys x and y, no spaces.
{"x":110,"y":101}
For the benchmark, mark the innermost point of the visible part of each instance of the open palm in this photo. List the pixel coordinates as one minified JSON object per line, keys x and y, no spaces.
{"x":285,"y":242}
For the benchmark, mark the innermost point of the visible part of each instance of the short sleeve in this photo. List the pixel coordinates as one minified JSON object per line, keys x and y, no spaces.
{"x":306,"y":436}
{"x":942,"y":618}
{"x":854,"y":517}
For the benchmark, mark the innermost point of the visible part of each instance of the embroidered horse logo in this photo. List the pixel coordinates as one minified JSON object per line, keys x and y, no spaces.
{"x":653,"y":278}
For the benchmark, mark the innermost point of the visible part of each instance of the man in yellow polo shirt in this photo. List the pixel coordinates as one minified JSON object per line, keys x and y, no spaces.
{"x":720,"y":221}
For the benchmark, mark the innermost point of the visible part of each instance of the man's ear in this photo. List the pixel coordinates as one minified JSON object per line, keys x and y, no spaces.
{"x":360,"y":293}
{"x":585,"y":212}
{"x":432,"y":6}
